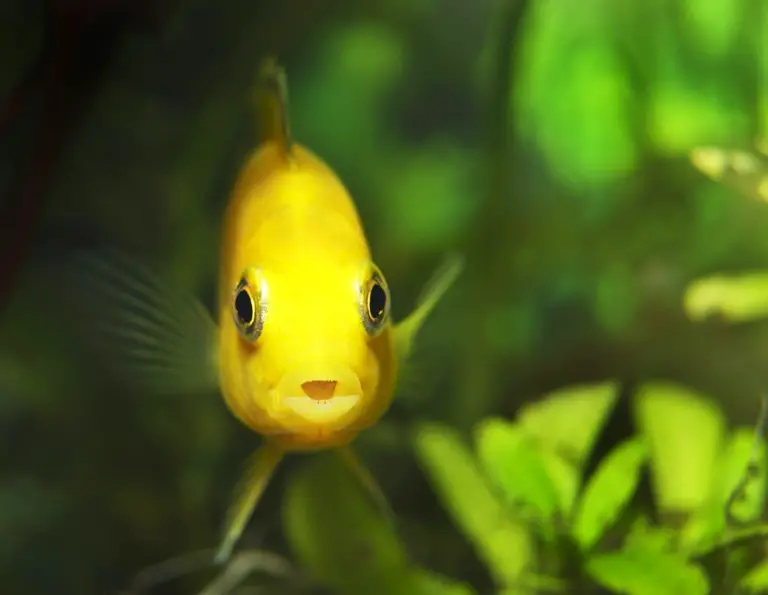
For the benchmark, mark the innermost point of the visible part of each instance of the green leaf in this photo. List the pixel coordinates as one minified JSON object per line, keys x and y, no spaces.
{"x":513,"y":464}
{"x":536,"y":585}
{"x":356,"y":67}
{"x":743,"y":171}
{"x":608,"y":492}
{"x":425,"y":582}
{"x":576,"y":84}
{"x":429,"y":201}
{"x":505,"y":546}
{"x":707,"y":525}
{"x":566,"y":478}
{"x":644,"y":535}
{"x":713,"y":25}
{"x":682,"y":114}
{"x":570,"y":419}
{"x":684,"y":432}
{"x":337,"y":533}
{"x":756,"y":580}
{"x":736,"y":297}
{"x":735,"y":475}
{"x":647,"y":572}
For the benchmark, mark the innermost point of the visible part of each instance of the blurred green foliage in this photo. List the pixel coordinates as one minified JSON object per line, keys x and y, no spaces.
{"x":602,"y":270}
{"x":532,"y":478}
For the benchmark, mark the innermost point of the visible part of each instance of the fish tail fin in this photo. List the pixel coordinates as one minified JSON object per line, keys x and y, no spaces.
{"x":259,"y":470}
{"x":272,"y":105}
{"x":406,"y":330}
{"x":366,"y":479}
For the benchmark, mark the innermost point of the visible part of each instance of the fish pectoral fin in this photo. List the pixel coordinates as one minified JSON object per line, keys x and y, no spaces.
{"x":406,"y":330}
{"x":259,"y":469}
{"x":367,"y":481}
{"x":156,"y":338}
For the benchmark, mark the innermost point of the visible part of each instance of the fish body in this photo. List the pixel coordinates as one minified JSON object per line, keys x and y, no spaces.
{"x":291,"y":231}
{"x":304,"y":351}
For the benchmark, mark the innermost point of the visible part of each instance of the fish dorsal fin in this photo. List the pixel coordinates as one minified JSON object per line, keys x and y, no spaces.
{"x":155,"y":337}
{"x":406,"y":330}
{"x":272,"y":105}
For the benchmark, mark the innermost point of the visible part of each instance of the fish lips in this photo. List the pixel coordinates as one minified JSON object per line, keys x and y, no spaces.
{"x":327,"y":396}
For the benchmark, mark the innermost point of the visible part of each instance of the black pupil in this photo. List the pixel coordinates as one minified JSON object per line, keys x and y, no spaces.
{"x":377,"y":301}
{"x":244,"y":307}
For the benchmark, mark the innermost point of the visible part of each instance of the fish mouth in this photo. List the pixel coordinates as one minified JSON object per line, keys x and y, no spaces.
{"x":326,"y":398}
{"x":322,"y":411}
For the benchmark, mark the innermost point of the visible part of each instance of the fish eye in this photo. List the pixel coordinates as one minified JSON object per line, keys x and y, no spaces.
{"x":244,"y":307}
{"x":248,"y":308}
{"x":377,"y":302}
{"x":375,"y":306}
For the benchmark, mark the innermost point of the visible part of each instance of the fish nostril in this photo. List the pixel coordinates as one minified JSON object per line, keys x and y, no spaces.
{"x":319,"y":390}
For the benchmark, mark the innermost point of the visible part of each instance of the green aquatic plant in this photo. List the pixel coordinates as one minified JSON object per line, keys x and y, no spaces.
{"x":344,"y":543}
{"x":571,"y":530}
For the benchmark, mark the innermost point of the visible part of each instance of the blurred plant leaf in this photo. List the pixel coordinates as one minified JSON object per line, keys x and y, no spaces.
{"x":575,"y":103}
{"x":756,"y":580}
{"x":573,"y":96}
{"x":738,"y":297}
{"x":430,"y":199}
{"x":337,"y":533}
{"x":608,"y":492}
{"x":566,"y":478}
{"x":708,"y":523}
{"x":569,"y":420}
{"x":646,"y":536}
{"x":682,"y":113}
{"x":743,"y":171}
{"x":424,"y":582}
{"x":357,"y":65}
{"x":505,"y":546}
{"x":512,"y":462}
{"x":684,"y":432}
{"x":713,"y":24}
{"x":735,"y":473}
{"x":639,"y":571}
{"x":536,"y":585}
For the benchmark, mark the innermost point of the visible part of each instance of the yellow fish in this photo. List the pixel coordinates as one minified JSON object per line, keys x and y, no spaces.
{"x":305,"y":352}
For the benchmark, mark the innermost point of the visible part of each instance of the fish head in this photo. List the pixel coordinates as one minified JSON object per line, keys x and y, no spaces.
{"x":314,"y":345}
